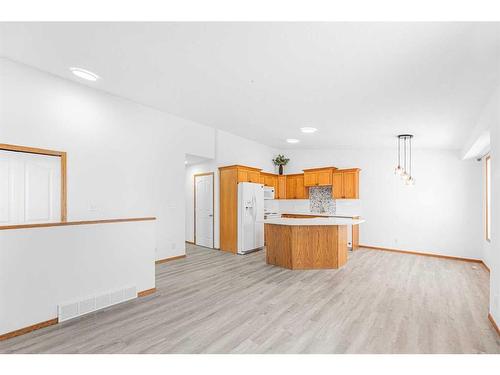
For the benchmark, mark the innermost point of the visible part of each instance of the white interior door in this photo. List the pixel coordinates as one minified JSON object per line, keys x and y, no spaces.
{"x":204,"y":203}
{"x":30,"y":188}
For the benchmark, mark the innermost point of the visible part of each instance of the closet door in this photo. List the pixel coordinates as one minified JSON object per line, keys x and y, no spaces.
{"x":30,"y":188}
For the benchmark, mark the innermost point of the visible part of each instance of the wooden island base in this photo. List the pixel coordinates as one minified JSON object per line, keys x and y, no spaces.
{"x":301,"y":247}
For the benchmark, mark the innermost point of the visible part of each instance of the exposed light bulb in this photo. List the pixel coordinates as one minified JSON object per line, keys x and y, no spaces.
{"x":410,"y":181}
{"x":398,"y":170}
{"x":405,"y":176}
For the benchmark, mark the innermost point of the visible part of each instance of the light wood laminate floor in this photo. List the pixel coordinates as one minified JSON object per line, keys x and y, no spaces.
{"x":214,"y":302}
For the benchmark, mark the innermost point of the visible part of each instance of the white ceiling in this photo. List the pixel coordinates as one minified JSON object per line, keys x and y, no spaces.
{"x":359,"y":83}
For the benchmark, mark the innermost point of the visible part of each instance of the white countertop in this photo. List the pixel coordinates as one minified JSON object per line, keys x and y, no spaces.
{"x":317,"y":214}
{"x":314,"y":221}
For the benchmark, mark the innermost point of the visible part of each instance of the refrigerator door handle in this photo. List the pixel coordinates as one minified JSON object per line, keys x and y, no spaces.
{"x":254,"y":204}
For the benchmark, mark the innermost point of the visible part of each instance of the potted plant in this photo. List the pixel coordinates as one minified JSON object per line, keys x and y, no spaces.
{"x":280,"y":161}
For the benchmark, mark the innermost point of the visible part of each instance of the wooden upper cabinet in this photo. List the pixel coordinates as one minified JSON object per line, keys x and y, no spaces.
{"x":351,"y":185}
{"x":310,"y":179}
{"x":295,"y":188}
{"x":242,"y":175}
{"x":270,"y":179}
{"x":247,"y":174}
{"x":324,"y":178}
{"x":254,"y":176}
{"x":338,"y":185}
{"x":318,"y":176}
{"x":346,"y":183}
{"x":281,"y":192}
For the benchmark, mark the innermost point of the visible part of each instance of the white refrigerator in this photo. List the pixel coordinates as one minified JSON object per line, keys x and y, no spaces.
{"x":250,"y":217}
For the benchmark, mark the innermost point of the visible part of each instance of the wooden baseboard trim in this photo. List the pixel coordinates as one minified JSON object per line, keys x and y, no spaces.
{"x":490,"y":317}
{"x":31,"y":328}
{"x":146,"y":292}
{"x":473,"y":260}
{"x":190,"y":242}
{"x":170,"y":259}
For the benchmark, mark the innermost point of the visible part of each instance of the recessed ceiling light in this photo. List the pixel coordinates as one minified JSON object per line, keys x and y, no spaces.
{"x":292,"y":140}
{"x":84,"y":74}
{"x":308,"y":129}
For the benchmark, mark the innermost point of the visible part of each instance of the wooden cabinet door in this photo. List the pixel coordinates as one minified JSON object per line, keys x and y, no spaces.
{"x":324,"y":178}
{"x":310,"y":179}
{"x":338,"y":185}
{"x":350,"y":185}
{"x":300,"y":190}
{"x":269,"y":180}
{"x":263,"y":180}
{"x":291,"y":186}
{"x":281,"y":192}
{"x":254,"y":176}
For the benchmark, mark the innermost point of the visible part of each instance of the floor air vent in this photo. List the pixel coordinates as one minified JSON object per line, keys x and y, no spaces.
{"x":70,"y":310}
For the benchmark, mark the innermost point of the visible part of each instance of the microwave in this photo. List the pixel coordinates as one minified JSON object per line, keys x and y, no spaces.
{"x":268,"y":192}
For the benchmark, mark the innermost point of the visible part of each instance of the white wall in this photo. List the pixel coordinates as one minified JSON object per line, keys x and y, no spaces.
{"x":41,"y":268}
{"x":494,"y":246}
{"x":486,"y":245}
{"x":490,"y":120}
{"x":440,"y":214}
{"x":124,"y":159}
{"x":230,"y":149}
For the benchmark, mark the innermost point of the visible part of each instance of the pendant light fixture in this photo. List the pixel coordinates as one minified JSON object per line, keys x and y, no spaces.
{"x":403,"y":168}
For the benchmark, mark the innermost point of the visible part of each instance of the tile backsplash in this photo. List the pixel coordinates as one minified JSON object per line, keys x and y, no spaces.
{"x":320,"y":200}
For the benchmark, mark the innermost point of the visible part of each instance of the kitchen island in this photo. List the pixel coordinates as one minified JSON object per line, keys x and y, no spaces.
{"x":307,"y":243}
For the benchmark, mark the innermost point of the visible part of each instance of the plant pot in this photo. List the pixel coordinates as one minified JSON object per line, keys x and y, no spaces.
{"x":280,"y":169}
